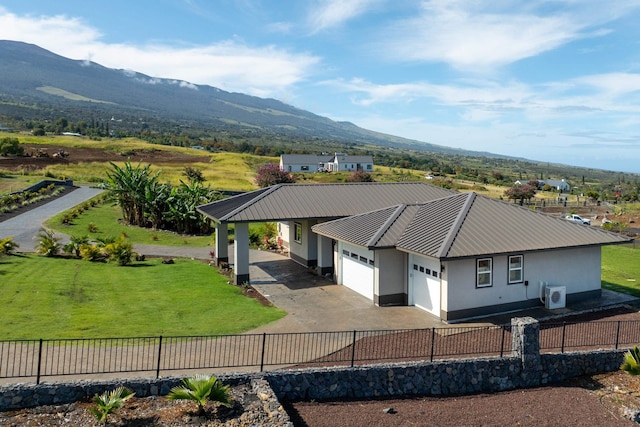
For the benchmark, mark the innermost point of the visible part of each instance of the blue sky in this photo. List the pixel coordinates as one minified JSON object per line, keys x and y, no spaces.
{"x":555,"y":81}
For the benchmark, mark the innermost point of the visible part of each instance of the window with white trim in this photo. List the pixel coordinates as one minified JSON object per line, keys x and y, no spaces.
{"x":516,"y":264}
{"x":484,"y":272}
{"x":297,"y":233}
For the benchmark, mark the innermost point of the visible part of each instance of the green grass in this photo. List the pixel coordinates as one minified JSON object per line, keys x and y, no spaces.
{"x":106,"y":218}
{"x":621,"y":269}
{"x":63,"y":298}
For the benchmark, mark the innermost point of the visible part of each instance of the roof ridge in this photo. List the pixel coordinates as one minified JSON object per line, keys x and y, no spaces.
{"x":457,"y":223}
{"x":387,"y":224}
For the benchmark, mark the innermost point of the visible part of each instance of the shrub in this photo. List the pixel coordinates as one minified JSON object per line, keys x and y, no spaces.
{"x":92,"y":228}
{"x":271,"y":174}
{"x":119,"y":251}
{"x":91,"y":253}
{"x":7,"y":245}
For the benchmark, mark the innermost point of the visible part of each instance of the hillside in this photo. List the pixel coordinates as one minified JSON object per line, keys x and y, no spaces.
{"x":35,"y":80}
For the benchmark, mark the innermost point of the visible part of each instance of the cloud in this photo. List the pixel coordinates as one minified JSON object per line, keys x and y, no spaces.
{"x":230,"y":65}
{"x":482,"y":35}
{"x":332,"y":13}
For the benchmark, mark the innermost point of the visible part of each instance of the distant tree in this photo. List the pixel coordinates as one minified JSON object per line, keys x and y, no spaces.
{"x":10,"y":146}
{"x":593,"y":194}
{"x":38,"y":131}
{"x":498,"y":176}
{"x":534,"y":183}
{"x":271,"y":174}
{"x":520,"y":192}
{"x":193,"y":174}
{"x":360,"y":176}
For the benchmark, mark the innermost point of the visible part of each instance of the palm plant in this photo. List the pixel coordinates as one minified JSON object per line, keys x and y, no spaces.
{"x":48,"y":243}
{"x":631,"y":362}
{"x":109,"y":401}
{"x":74,"y":245}
{"x":200,"y":389}
{"x":7,"y":245}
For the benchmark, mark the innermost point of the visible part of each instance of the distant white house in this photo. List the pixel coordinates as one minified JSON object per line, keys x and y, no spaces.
{"x":338,"y":162}
{"x":557,"y":184}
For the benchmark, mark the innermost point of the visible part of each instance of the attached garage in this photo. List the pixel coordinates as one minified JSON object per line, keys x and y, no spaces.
{"x":357,"y":269}
{"x":424,"y":284}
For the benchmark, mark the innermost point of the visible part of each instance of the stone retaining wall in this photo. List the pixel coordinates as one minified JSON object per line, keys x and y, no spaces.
{"x":525,"y":367}
{"x":44,"y":183}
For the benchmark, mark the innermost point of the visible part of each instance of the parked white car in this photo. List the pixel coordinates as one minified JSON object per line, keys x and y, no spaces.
{"x":577,"y":218}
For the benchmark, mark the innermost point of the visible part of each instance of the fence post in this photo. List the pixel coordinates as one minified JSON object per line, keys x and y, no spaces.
{"x":264,"y":342}
{"x":159,"y":354}
{"x":353,"y":348}
{"x":564,"y":324}
{"x":617,"y":335}
{"x":504,"y":328}
{"x":433,"y":338}
{"x":39,"y":361}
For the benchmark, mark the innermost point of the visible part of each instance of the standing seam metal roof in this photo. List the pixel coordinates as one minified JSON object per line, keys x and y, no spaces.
{"x":466,"y":225}
{"x":319,"y":201}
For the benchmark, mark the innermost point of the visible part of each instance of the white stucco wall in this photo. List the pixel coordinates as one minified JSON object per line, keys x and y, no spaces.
{"x":390,"y":272}
{"x":577,"y":269}
{"x":307,"y":248}
{"x":283,"y":232}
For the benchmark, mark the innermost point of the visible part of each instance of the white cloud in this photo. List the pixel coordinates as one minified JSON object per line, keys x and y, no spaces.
{"x":332,"y":13}
{"x":481,"y":35}
{"x":230,"y":65}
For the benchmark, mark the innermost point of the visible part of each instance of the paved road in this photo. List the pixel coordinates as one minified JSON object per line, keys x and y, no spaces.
{"x":25,"y":227}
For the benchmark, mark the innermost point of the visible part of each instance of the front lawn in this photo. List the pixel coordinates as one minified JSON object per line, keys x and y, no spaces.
{"x":621,"y":269}
{"x":63,"y":298}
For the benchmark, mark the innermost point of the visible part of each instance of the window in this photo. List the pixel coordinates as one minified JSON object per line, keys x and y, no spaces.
{"x":484,"y":272}
{"x":345,"y":252}
{"x":297,"y":232}
{"x":372,"y":262}
{"x":421,"y":269}
{"x":415,"y":267}
{"x":515,"y":269}
{"x":354,"y":255}
{"x":363,"y":259}
{"x":368,"y":167}
{"x":304,"y":168}
{"x":434,"y":273}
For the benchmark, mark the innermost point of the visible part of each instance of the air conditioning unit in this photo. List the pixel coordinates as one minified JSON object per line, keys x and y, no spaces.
{"x":555,"y":297}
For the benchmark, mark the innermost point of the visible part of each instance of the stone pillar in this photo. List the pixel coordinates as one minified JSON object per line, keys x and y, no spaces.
{"x":241,"y":253}
{"x":325,"y":255}
{"x":525,"y":333}
{"x":222,"y":244}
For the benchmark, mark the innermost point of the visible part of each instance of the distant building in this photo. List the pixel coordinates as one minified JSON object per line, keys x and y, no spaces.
{"x":338,"y":162}
{"x":557,"y":184}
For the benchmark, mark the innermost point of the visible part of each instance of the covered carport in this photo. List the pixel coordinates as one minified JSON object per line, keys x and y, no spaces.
{"x":304,"y":205}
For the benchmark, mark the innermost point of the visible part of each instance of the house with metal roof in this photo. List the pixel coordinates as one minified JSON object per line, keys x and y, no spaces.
{"x":339,"y":162}
{"x":560,"y":185}
{"x":456,"y":255}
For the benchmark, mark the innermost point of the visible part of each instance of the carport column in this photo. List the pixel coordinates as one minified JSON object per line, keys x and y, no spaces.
{"x":222,"y":243}
{"x":325,"y":256}
{"x":241,"y":253}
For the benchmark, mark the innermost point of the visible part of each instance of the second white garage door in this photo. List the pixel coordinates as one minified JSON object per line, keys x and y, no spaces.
{"x":357,"y":270}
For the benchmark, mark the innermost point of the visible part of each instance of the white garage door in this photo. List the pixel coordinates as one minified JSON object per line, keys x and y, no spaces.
{"x":357,"y":272}
{"x":425,"y":285}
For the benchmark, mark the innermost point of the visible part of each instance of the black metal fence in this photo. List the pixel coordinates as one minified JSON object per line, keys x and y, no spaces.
{"x":60,"y":357}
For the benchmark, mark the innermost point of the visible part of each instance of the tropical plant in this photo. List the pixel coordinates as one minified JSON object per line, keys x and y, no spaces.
{"x":91,"y":252}
{"x":119,"y":251}
{"x":201,"y":388}
{"x":631,"y":361}
{"x":182,"y":204}
{"x":128,"y":186}
{"x":7,"y":245}
{"x":48,"y":243}
{"x":74,"y":245}
{"x":109,"y":401}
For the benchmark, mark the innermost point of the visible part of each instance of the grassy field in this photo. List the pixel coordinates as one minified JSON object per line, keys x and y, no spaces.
{"x":621,"y":269}
{"x":83,"y":299}
{"x":106,"y":216}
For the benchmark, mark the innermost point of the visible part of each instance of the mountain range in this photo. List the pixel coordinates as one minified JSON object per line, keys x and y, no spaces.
{"x":33,"y":77}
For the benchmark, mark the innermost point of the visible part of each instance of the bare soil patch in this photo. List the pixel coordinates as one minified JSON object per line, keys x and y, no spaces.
{"x":41,"y":156}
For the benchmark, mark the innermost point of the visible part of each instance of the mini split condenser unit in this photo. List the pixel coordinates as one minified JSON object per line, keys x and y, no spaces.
{"x":555,"y":297}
